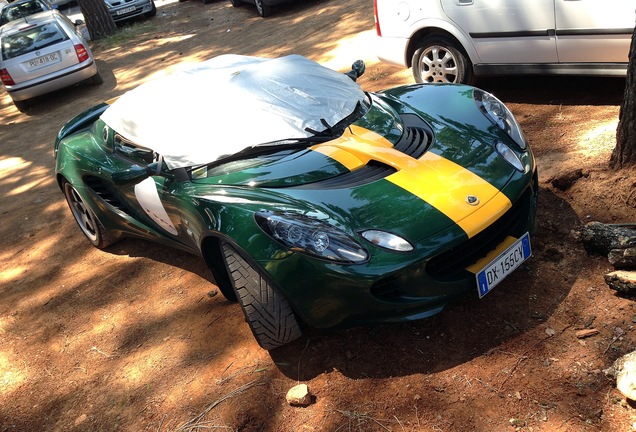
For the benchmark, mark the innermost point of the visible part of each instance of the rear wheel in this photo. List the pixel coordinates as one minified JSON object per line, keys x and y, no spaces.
{"x":86,"y":219}
{"x":235,"y":3}
{"x":22,"y":105}
{"x":97,"y":79}
{"x":263,"y":9}
{"x":440,"y":60}
{"x":267,"y":312}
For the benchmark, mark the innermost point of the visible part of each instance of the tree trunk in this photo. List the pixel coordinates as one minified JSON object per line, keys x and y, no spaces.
{"x":625,"y":151}
{"x":98,"y":20}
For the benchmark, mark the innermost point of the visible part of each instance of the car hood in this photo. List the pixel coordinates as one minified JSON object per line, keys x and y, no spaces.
{"x":229,"y":103}
{"x":361,"y":181}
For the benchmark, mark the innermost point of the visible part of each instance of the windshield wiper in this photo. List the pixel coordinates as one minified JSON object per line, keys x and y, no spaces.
{"x":330,"y":133}
{"x":338,"y":129}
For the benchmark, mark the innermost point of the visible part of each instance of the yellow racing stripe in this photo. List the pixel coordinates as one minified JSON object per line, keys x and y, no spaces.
{"x":446,"y":185}
{"x":438,"y":181}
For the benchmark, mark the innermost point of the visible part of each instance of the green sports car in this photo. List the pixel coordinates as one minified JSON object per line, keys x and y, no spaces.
{"x":312,"y":202}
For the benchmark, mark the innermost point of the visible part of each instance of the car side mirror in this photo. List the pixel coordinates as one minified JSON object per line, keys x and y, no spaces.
{"x":135,"y":174}
{"x":357,"y":70}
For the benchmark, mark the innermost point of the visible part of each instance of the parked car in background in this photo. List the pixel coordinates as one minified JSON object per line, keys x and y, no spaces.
{"x":456,"y":40}
{"x":122,"y":10}
{"x":59,"y":4}
{"x":312,"y":201}
{"x":263,"y":7}
{"x":22,"y":8}
{"x":43,"y":54}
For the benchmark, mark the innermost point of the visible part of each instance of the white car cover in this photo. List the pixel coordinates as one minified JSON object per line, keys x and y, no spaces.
{"x":229,"y":103}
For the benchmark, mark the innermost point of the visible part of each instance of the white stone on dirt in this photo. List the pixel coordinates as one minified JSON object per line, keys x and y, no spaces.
{"x":299,"y":395}
{"x":624,"y":370}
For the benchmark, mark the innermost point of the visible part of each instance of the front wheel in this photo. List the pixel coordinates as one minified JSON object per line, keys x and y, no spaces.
{"x":263,"y":9}
{"x":86,"y":219}
{"x":267,"y":312}
{"x":440,"y":60}
{"x":153,"y":10}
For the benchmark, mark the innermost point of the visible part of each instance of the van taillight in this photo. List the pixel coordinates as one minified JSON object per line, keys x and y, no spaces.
{"x":82,"y":53}
{"x":375,"y":15}
{"x":6,"y":78}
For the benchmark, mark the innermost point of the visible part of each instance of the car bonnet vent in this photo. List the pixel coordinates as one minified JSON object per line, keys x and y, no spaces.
{"x":369,"y":173}
{"x":417,"y":136}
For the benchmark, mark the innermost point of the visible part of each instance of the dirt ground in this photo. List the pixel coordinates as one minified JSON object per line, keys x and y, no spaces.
{"x":136,"y":338}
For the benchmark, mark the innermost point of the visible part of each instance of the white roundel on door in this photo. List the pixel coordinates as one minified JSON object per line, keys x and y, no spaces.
{"x":148,"y":198}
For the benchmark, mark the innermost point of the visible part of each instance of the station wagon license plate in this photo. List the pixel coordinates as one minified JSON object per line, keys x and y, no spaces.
{"x":503,"y":265}
{"x":125,"y":11}
{"x":42,"y":61}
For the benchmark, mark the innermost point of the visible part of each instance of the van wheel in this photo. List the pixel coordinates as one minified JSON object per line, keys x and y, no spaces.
{"x":266,"y":310}
{"x":440,"y":60}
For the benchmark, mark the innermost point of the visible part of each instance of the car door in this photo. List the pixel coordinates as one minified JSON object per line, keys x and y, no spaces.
{"x":149,"y":201}
{"x":507,"y":31}
{"x":594,"y":31}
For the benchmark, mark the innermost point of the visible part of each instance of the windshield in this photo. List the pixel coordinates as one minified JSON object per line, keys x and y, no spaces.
{"x":16,"y":11}
{"x":232,"y":104}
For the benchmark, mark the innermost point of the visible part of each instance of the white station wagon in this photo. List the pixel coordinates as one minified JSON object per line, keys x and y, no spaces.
{"x":456,"y":40}
{"x":41,"y":54}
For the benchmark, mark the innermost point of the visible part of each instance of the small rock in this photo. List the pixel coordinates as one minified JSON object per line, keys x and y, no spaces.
{"x":517,"y":422}
{"x":565,"y":181}
{"x":585,"y":333}
{"x":81,"y":419}
{"x":299,"y":395}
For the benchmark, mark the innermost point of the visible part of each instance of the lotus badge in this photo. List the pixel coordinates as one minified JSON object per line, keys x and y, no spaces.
{"x":472,"y":200}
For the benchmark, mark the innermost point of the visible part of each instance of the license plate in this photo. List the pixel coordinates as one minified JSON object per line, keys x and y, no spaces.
{"x":127,"y":10}
{"x":42,"y":61}
{"x":503,"y":265}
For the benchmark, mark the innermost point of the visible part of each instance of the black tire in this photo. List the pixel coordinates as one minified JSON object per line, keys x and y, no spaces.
{"x":97,"y":79}
{"x":267,"y":312}
{"x":86,"y":219}
{"x":235,"y":3}
{"x":22,"y":106}
{"x":439,"y":59}
{"x":153,"y":11}
{"x":263,"y":9}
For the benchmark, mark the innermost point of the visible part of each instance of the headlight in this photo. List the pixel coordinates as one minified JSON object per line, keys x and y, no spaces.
{"x":312,"y":237}
{"x":387,"y":240}
{"x":500,"y":116}
{"x":508,"y":155}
